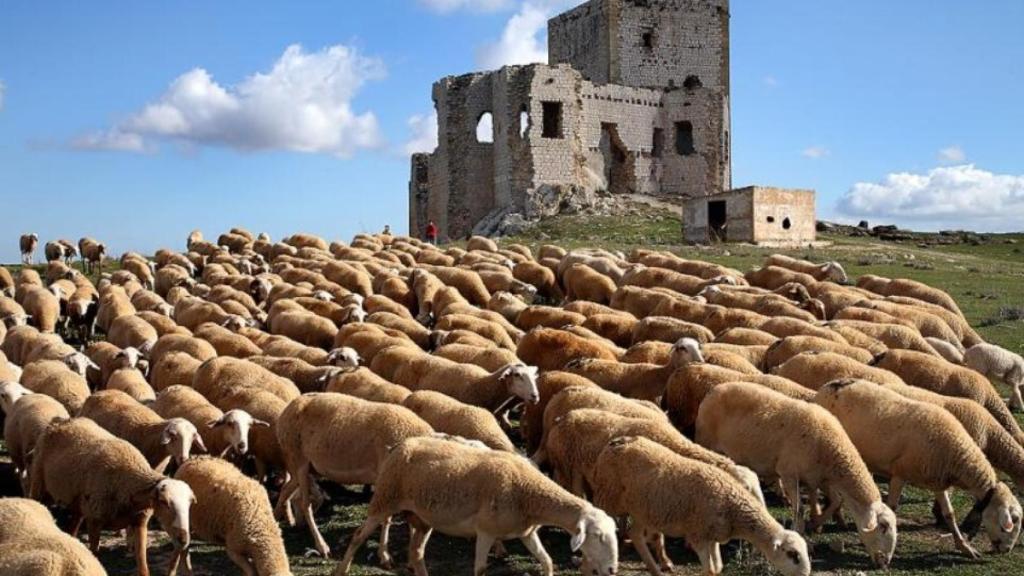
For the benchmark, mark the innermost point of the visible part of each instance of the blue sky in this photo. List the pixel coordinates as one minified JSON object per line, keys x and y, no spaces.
{"x":136,"y":122}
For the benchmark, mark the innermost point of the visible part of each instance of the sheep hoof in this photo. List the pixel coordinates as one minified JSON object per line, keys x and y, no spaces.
{"x":311,"y":553}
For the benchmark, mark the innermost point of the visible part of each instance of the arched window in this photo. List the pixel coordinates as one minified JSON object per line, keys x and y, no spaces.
{"x":524,"y":121}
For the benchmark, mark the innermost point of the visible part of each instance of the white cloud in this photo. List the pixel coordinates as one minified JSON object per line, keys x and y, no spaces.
{"x":523,"y":41}
{"x":303,"y":104}
{"x":3,"y":90}
{"x":952,"y":196}
{"x":770,"y":81}
{"x":475,"y":5}
{"x":952,"y":155}
{"x":816,"y":152}
{"x":424,"y":133}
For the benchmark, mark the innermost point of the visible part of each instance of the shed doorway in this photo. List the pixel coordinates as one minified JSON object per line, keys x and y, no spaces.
{"x":717,"y":218}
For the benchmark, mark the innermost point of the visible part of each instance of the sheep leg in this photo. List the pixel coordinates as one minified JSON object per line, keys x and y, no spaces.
{"x":385,"y":556}
{"x":710,"y":558}
{"x":716,"y":558}
{"x":791,"y":487}
{"x":242,"y":562}
{"x":499,"y":549}
{"x":534,"y":545}
{"x":75,"y":522}
{"x":284,"y":501}
{"x":172,"y":567}
{"x":420,"y":533}
{"x":895,"y":491}
{"x":638,"y":536}
{"x":835,"y":504}
{"x":307,"y":512}
{"x":657,"y":539}
{"x":94,"y":536}
{"x":358,"y":538}
{"x":484,"y":542}
{"x":188,"y":563}
{"x":141,"y":536}
{"x":1016,"y":402}
{"x":950,"y":517}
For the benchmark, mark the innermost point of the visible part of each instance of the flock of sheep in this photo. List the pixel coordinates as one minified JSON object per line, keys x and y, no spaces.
{"x":654,"y":397}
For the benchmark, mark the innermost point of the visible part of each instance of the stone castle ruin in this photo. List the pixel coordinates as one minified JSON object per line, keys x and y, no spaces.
{"x":635,"y":100}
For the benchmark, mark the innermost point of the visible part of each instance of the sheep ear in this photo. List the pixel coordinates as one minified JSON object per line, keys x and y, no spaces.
{"x":215,"y":423}
{"x":872,"y":524}
{"x":198,"y":442}
{"x":577,"y":539}
{"x":262,"y":423}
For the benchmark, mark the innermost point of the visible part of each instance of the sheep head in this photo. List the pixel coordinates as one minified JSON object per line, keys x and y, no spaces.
{"x":236,"y":425}
{"x":344,"y":357}
{"x":878,"y":533}
{"x":595,"y":536}
{"x":1001,"y":519}
{"x":179,"y":437}
{"x":171,"y":501}
{"x":128,"y":358}
{"x":79,"y":363}
{"x":16,"y":319}
{"x":11,"y":392}
{"x":834,"y":271}
{"x":788,"y":553}
{"x":686,"y":351}
{"x":521,"y":381}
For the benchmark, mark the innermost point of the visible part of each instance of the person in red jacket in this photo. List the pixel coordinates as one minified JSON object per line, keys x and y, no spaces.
{"x":431,"y":233}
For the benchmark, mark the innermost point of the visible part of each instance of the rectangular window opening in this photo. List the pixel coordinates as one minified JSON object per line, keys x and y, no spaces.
{"x":647,"y":39}
{"x":658,"y":143}
{"x":684,"y":139}
{"x":552,"y":125}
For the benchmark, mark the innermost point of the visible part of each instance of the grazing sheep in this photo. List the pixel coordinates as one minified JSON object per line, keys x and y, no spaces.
{"x":32,"y":544}
{"x":226,"y":342}
{"x":550,"y":349}
{"x":131,"y":331}
{"x":540,"y":277}
{"x":918,"y":443}
{"x":585,"y":283}
{"x":26,"y":418}
{"x":197,"y":348}
{"x":263,"y":406}
{"x":235,"y":512}
{"x":305,"y":376}
{"x":173,"y":369}
{"x":6,"y":283}
{"x":448,"y":415}
{"x":489,"y":494}
{"x":305,"y":328}
{"x":935,"y":374}
{"x":830,"y":271}
{"x":157,"y":439}
{"x":310,"y":429}
{"x":664,"y":493}
{"x":814,"y":369}
{"x":891,"y":335}
{"x":219,"y":376}
{"x":948,"y":351}
{"x":617,"y":328}
{"x":492,"y":331}
{"x":911,"y":288}
{"x":132,"y":382}
{"x":800,"y":443}
{"x":114,"y":303}
{"x":774,"y":277}
{"x":363,"y":383}
{"x":639,"y":381}
{"x":117,"y":490}
{"x":56,"y":380}
{"x":27,"y":243}
{"x":93,"y":253}
{"x":221,"y":432}
{"x":489,"y":359}
{"x":668,"y":329}
{"x":999,"y":363}
{"x":42,"y":307}
{"x":790,"y":346}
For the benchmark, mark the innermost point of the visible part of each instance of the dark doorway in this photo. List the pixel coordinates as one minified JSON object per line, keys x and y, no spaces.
{"x":552,"y":121}
{"x":618,"y":165}
{"x":716,"y":220}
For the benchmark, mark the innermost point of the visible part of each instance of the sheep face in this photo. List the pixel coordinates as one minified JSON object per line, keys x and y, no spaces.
{"x":179,"y":436}
{"x":79,"y":363}
{"x":172,"y":501}
{"x":344,"y":357}
{"x":521,"y":381}
{"x":1002,"y":519}
{"x":235,"y":323}
{"x":686,"y":351}
{"x":788,"y":554}
{"x":10,"y":392}
{"x":834,"y":272}
{"x":354,"y":314}
{"x":528,"y":292}
{"x":17,"y":319}
{"x":127,"y":358}
{"x":595,"y":535}
{"x":237,"y":424}
{"x":878,"y":533}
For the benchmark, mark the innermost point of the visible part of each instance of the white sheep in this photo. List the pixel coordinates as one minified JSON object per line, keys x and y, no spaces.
{"x":32,"y":544}
{"x":221,"y":431}
{"x":1001,"y":364}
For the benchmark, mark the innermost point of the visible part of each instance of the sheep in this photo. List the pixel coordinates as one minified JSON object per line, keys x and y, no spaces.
{"x":27,"y":243}
{"x":640,"y":381}
{"x":577,"y":397}
{"x":54,"y":251}
{"x":718,"y":319}
{"x":831,"y":271}
{"x":305,"y":328}
{"x":493,"y":331}
{"x":946,"y":350}
{"x":9,"y":372}
{"x":27,"y":416}
{"x":170,"y":277}
{"x":911,"y":288}
{"x":690,"y":384}
{"x":286,"y":347}
{"x":585,"y":283}
{"x":173,"y":369}
{"x":664,"y":493}
{"x":668,"y":329}
{"x":117,"y":490}
{"x":157,"y":439}
{"x":305,"y":376}
{"x":814,"y":369}
{"x":447,"y":415}
{"x":935,"y":374}
{"x":968,"y":336}
{"x":925,"y":321}
{"x":765,"y":304}
{"x":218,"y":376}
{"x":540,"y":277}
{"x":790,"y":346}
{"x":1001,"y":364}
{"x":42,"y":307}
{"x":226,"y":342}
{"x":199,"y":349}
{"x":363,"y":383}
{"x":265,"y":407}
{"x":310,"y":428}
{"x":891,"y":335}
{"x":93,"y":253}
{"x":114,"y":303}
{"x":82,"y":307}
{"x":653,"y":277}
{"x":746,"y":337}
{"x":772,"y":277}
{"x":550,"y":349}
{"x":465,"y":505}
{"x":922,"y":444}
{"x":233,"y":511}
{"x":801,"y":443}
{"x":701,"y":269}
{"x":578,"y":437}
{"x":132,"y":331}
{"x":31,"y":543}
{"x":531,"y":422}
{"x":489,"y":359}
{"x":55,"y":379}
{"x":527,"y":317}
{"x":221,"y":432}
{"x":192,"y":311}
{"x":618,"y":328}
{"x":6,"y":283}
{"x":784,"y":327}
{"x":132,"y":382}
{"x":467,"y":383}
{"x":467,"y":282}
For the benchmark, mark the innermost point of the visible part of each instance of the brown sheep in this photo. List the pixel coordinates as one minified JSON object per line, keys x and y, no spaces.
{"x":550,"y":349}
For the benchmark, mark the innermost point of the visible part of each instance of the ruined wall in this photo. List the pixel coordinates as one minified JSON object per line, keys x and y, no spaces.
{"x":623,"y":117}
{"x":581,"y":38}
{"x":707,"y":169}
{"x":419,"y":194}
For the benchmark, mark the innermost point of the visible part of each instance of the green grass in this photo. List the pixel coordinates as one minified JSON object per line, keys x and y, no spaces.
{"x":982,"y":278}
